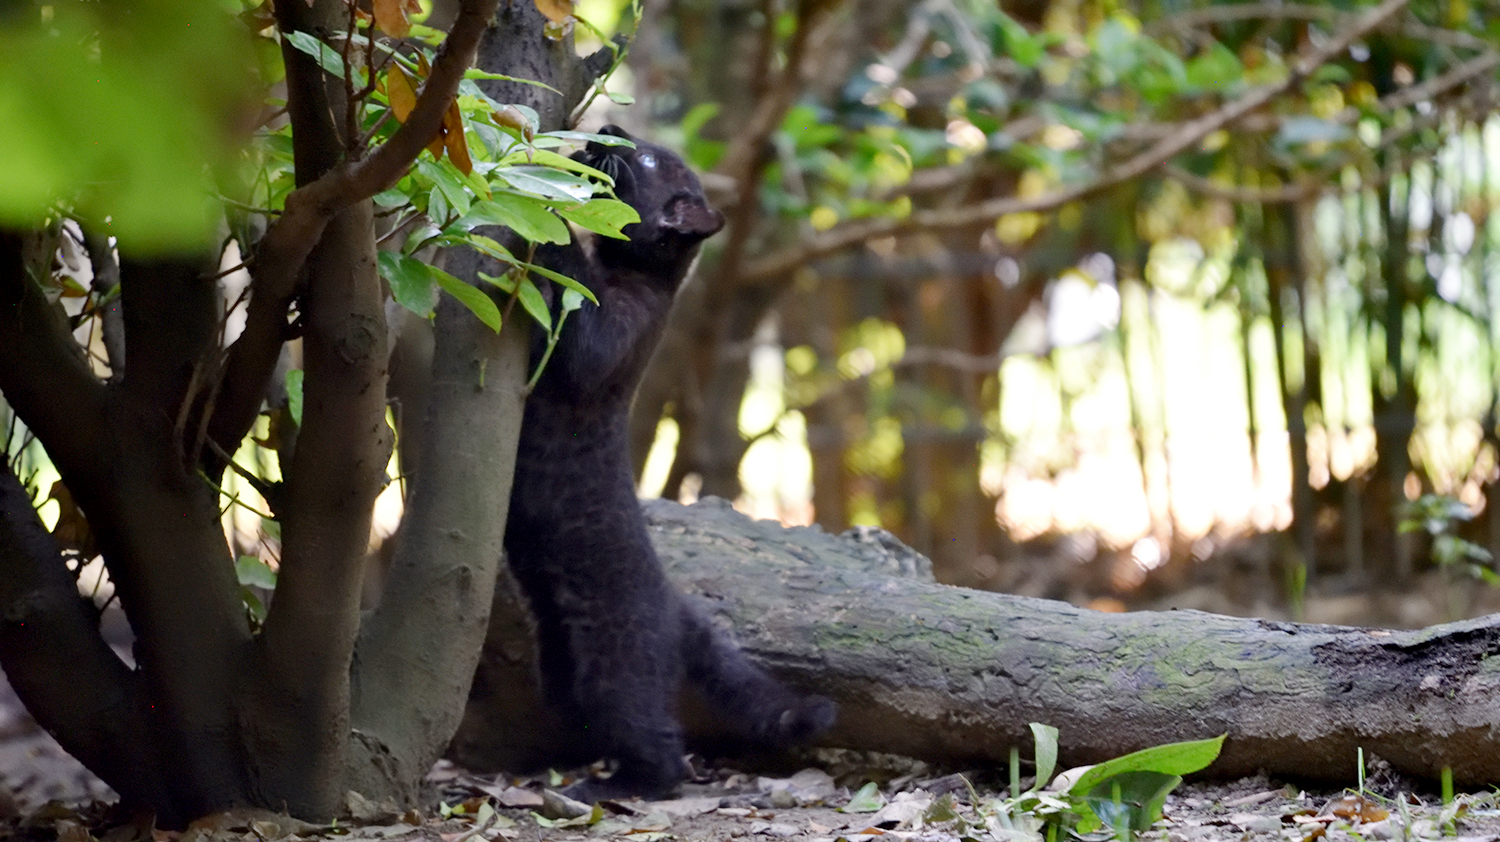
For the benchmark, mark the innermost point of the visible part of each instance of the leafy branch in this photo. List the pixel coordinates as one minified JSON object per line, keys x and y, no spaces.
{"x":1184,"y":137}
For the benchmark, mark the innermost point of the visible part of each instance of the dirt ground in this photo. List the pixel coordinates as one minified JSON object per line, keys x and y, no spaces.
{"x":48,"y":795}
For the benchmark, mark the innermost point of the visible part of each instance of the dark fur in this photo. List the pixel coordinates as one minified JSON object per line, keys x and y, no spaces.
{"x":616,"y":638}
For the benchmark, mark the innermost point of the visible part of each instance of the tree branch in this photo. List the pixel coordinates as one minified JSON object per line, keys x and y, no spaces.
{"x":1318,"y":181}
{"x":1238,"y":12}
{"x":96,"y":713}
{"x":44,"y":375}
{"x":746,"y":156}
{"x":1187,"y":135}
{"x":106,"y":280}
{"x":288,"y":241}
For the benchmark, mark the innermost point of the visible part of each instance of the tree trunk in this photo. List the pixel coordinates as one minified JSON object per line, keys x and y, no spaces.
{"x":439,"y":595}
{"x":954,"y":675}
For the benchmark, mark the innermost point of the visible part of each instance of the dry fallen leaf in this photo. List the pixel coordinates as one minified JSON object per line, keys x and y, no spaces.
{"x":556,"y":11}
{"x":453,"y":138}
{"x":392,"y":16}
{"x":72,"y":531}
{"x":401,"y":92}
{"x":510,"y":117}
{"x":71,"y":831}
{"x":1357,"y":807}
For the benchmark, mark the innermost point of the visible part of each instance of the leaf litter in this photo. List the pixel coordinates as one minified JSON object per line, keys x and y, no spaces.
{"x":854,"y":797}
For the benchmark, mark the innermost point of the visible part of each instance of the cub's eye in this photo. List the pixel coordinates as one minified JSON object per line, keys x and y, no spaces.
{"x":646,"y":159}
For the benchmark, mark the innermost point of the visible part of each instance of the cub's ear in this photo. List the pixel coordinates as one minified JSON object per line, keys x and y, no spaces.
{"x":692,"y":218}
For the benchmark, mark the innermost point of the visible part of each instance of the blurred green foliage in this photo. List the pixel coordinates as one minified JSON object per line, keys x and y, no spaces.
{"x":123,"y":114}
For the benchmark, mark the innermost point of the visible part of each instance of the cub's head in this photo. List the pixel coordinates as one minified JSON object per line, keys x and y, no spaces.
{"x":675,"y":218}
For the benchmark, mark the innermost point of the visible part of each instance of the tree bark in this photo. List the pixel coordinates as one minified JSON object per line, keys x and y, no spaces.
{"x":954,"y":675}
{"x":440,"y":593}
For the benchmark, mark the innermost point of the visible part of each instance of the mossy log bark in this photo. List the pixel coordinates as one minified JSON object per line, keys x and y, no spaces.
{"x":954,"y":675}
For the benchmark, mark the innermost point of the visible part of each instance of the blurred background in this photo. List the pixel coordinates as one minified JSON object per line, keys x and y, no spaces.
{"x":1132,"y":304}
{"x":1257,"y":376}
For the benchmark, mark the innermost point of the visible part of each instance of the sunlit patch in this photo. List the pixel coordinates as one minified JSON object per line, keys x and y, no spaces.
{"x":966,"y":136}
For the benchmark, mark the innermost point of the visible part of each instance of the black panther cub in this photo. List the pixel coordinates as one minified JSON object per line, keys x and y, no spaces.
{"x":615,"y":637}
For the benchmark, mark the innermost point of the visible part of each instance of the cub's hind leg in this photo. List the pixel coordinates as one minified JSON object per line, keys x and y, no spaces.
{"x":625,"y":686}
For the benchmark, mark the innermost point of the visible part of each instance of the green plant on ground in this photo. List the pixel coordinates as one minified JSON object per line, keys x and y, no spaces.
{"x":1123,"y":796}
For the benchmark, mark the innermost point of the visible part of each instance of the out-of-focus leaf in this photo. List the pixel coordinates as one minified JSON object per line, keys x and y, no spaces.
{"x":72,"y":531}
{"x":1216,"y":69}
{"x":294,"y":398}
{"x":1302,"y":129}
{"x":556,"y":11}
{"x":252,"y":572}
{"x":867,"y":800}
{"x":392,"y":15}
{"x":1022,"y":47}
{"x":86,"y":121}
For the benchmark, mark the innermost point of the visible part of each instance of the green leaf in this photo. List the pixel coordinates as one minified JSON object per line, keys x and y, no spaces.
{"x":1307,"y":129}
{"x":547,"y":183}
{"x":476,"y":73}
{"x":252,"y":572}
{"x":450,"y":181}
{"x":620,"y":99}
{"x":572,"y":299}
{"x":271,"y":528}
{"x":327,"y":57}
{"x":867,"y":800}
{"x":485,"y":245}
{"x":524,"y":215}
{"x":1046,"y":753}
{"x":1215,"y":69}
{"x":437,"y":206}
{"x":472,"y":297}
{"x":1170,"y":759}
{"x":392,"y":198}
{"x":548,"y":158}
{"x":411,"y":280}
{"x":1334,"y":73}
{"x":694,"y":121}
{"x":93,"y":133}
{"x":1131,"y":801}
{"x":531,"y":299}
{"x":562,"y":279}
{"x":1022,"y":47}
{"x":590,"y":137}
{"x":253,"y":604}
{"x":602,"y":216}
{"x":294,"y":395}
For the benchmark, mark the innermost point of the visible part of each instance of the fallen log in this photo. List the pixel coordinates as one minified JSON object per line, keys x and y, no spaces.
{"x":953,"y":676}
